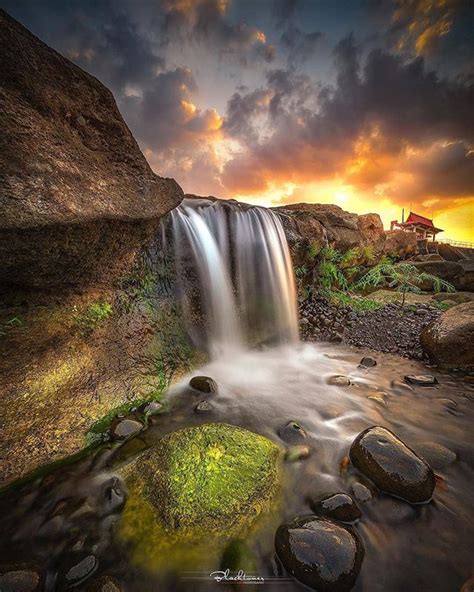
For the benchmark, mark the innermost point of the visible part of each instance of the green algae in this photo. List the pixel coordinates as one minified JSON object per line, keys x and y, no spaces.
{"x":194,"y":492}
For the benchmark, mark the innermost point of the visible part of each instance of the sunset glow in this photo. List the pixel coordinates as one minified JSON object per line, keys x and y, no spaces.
{"x":283,"y":101}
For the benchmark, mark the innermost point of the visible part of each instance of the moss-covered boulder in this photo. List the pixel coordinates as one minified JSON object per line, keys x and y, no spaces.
{"x":196,"y":490}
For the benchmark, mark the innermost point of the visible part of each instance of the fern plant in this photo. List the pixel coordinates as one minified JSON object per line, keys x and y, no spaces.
{"x":329,"y":270}
{"x":404,"y":278}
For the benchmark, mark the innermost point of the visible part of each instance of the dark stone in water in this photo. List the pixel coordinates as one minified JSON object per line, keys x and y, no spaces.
{"x":292,"y":432}
{"x":76,"y":568}
{"x":203,"y":384}
{"x":339,"y":506}
{"x":114,"y":496}
{"x":368,"y":362}
{"x":203,"y":407}
{"x":121,"y":429}
{"x":436,"y":455}
{"x":104,"y":584}
{"x":361,"y":492}
{"x":296,"y":453}
{"x":392,"y":465}
{"x":339,"y":380}
{"x":320,"y":553}
{"x":421,"y":380}
{"x":19,"y":580}
{"x":150,"y":408}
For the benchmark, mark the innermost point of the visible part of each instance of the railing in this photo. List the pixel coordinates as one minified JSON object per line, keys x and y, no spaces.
{"x":455,"y":243}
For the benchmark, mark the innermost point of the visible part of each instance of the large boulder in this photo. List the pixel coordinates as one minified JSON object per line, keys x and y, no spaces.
{"x":194,"y":492}
{"x":448,"y":340}
{"x":450,"y":271}
{"x":76,"y":194}
{"x":400,"y":245}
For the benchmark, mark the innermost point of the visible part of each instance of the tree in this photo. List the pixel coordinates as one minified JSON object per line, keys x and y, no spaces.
{"x":404,"y":277}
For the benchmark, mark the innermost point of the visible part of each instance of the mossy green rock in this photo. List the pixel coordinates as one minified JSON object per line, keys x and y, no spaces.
{"x":196,"y":490}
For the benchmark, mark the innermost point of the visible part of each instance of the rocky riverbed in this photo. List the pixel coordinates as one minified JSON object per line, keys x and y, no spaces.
{"x":363,"y":448}
{"x":393,"y":328}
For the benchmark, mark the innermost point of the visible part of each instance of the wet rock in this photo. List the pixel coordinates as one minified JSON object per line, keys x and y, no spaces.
{"x":339,"y":380}
{"x":121,"y":429}
{"x":437,"y":455}
{"x":292,"y":432}
{"x":392,"y":465}
{"x":19,"y":580}
{"x":212,"y":479}
{"x":389,"y":510}
{"x":468,"y":586}
{"x":150,"y":408}
{"x":104,"y":584}
{"x":421,"y":379}
{"x":368,"y":362}
{"x":203,"y":384}
{"x":296,"y":453}
{"x":89,"y":182}
{"x":338,"y":506}
{"x":380,"y":398}
{"x":114,"y":496}
{"x":76,"y":568}
{"x":320,"y":553}
{"x":203,"y":407}
{"x":361,"y":492}
{"x":448,"y":340}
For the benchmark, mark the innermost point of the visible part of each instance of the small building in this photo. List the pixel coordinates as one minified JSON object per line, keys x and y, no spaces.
{"x":423,"y":227}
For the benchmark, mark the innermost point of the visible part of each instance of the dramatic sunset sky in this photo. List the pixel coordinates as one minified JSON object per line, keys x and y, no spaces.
{"x":364,"y":103}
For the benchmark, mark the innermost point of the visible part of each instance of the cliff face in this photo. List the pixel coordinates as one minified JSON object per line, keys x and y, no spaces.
{"x":77,"y":196}
{"x":329,"y":225}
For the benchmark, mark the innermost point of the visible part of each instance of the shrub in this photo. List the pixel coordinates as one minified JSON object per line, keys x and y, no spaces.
{"x":404,"y":277}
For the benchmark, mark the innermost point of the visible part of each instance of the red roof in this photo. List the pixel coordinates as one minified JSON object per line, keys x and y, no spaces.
{"x":417,"y":219}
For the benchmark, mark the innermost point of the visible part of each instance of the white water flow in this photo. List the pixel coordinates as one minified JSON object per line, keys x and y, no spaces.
{"x":240,"y":257}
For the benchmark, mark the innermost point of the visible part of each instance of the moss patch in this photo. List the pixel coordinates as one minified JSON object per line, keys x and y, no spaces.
{"x":195,"y":491}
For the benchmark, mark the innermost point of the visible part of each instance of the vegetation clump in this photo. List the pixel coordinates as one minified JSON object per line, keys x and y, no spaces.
{"x":94,"y":315}
{"x":198,"y":489}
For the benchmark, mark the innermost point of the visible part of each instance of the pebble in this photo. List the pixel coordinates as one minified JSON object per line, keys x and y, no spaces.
{"x":204,"y":384}
{"x":76,"y":568}
{"x":19,"y":580}
{"x":436,"y":455}
{"x":121,"y":429}
{"x":203,"y":407}
{"x":296,"y":453}
{"x":339,"y":380}
{"x":292,"y":432}
{"x":361,"y":492}
{"x":421,"y":379}
{"x":368,"y":362}
{"x":339,"y":506}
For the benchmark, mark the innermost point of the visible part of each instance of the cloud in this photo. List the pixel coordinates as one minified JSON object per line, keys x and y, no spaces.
{"x":300,"y":46}
{"x":206,"y":21}
{"x":364,"y":129}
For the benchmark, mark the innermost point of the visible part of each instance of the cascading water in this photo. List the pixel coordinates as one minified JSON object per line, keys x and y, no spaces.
{"x":239,"y":256}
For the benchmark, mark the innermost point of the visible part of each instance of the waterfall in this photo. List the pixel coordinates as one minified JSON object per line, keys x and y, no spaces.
{"x":234,"y":274}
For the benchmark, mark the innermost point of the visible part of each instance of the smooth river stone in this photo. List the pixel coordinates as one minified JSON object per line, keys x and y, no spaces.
{"x":339,"y":506}
{"x":320,"y":553}
{"x":393,"y":466}
{"x":204,"y":384}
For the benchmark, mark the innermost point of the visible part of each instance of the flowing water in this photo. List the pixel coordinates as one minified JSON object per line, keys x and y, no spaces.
{"x":72,"y":514}
{"x":244,"y":273}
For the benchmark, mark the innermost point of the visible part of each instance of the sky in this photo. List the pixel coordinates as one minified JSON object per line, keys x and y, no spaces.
{"x":367,"y":104}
